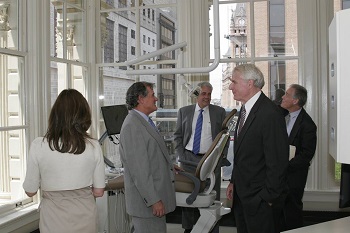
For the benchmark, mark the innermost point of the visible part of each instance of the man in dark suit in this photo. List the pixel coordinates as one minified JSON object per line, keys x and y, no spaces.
{"x":258,"y":180}
{"x":302,"y":135}
{"x":213,"y":117}
{"x":148,"y":168}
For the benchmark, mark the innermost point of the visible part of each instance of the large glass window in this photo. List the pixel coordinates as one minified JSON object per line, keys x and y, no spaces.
{"x":346,"y":4}
{"x":68,"y":30}
{"x":265,"y":35}
{"x":68,"y":46}
{"x":12,"y":129}
{"x":13,"y":97}
{"x":9,"y":25}
{"x":136,"y":33}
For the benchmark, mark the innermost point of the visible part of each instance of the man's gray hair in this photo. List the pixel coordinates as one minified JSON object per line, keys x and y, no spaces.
{"x":251,"y":72}
{"x":205,"y":84}
{"x":300,"y":93}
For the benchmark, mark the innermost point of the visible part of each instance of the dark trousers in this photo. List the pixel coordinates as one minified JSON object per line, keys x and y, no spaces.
{"x":293,"y":207}
{"x":262,"y":221}
{"x":293,"y":210}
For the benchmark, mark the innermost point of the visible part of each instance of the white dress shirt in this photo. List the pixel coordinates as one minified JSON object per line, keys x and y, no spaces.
{"x":293,"y":117}
{"x":206,"y":137}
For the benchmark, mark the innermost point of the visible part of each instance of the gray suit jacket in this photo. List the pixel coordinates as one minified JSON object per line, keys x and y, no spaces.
{"x":148,"y":169}
{"x":184,"y":126}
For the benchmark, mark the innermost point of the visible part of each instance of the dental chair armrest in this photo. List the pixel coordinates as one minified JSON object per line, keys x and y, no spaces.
{"x":187,"y":162}
{"x":197,"y":183}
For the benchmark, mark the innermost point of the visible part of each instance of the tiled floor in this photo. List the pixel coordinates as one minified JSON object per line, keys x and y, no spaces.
{"x":176,"y":228}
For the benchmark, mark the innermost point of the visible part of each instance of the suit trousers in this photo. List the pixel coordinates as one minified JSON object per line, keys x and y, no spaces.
{"x":149,"y":225}
{"x":191,"y":215}
{"x":293,"y":208}
{"x":260,"y":222}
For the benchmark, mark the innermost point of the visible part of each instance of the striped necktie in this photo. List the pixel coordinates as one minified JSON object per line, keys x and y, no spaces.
{"x":242,"y":119}
{"x":198,"y":133}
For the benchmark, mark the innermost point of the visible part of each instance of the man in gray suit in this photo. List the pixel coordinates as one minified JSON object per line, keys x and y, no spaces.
{"x":184,"y":136}
{"x":148,"y":169}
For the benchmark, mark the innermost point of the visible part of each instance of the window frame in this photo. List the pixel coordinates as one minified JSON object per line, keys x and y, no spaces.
{"x":20,"y":52}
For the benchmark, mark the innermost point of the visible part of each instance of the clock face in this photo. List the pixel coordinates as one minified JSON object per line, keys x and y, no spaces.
{"x":241,"y":22}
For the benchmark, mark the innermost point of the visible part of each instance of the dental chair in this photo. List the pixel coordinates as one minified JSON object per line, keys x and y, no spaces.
{"x":194,"y":190}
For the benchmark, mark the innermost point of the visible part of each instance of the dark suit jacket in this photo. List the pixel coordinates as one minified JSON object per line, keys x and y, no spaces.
{"x":303,"y":137}
{"x":261,"y":156}
{"x":184,"y":126}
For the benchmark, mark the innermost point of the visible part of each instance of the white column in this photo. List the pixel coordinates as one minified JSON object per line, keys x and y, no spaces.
{"x":314,"y":17}
{"x":193,"y":27}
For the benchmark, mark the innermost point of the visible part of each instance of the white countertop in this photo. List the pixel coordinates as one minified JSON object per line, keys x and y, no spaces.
{"x":341,"y":225}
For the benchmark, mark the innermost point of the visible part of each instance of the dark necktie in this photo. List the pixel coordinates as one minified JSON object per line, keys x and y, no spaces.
{"x":152,"y":124}
{"x":242,"y":119}
{"x":198,"y":133}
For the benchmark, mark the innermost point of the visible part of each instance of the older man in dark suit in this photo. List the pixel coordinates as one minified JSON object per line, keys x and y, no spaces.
{"x":302,"y":135}
{"x":148,"y":168}
{"x":189,"y":147}
{"x":258,"y":180}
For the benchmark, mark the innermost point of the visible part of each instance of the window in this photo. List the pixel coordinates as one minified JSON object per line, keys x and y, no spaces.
{"x":148,"y":34}
{"x":167,"y":38}
{"x":277,"y":41}
{"x":122,"y":3}
{"x":346,"y":4}
{"x":109,"y":45}
{"x":13,"y":129}
{"x":13,"y":100}
{"x":68,"y":47}
{"x":113,"y":80}
{"x":67,"y":31}
{"x":123,"y":43}
{"x":282,"y":43}
{"x":21,"y":90}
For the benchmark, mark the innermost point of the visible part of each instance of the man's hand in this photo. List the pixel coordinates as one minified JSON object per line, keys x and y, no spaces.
{"x":158,"y":209}
{"x":229,"y":191}
{"x":177,"y":169}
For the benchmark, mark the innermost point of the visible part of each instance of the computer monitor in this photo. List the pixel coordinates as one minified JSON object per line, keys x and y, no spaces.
{"x":114,"y":116}
{"x":344,"y":199}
